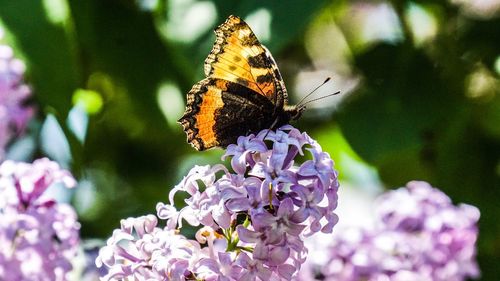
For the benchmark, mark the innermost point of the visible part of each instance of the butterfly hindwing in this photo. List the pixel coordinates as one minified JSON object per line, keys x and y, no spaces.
{"x":237,"y":56}
{"x":198,"y":119}
{"x":218,"y":112}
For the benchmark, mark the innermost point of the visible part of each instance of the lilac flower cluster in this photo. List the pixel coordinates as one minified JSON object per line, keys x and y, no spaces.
{"x":38,"y":237}
{"x":13,"y":114}
{"x":421,"y":236}
{"x":253,"y":221}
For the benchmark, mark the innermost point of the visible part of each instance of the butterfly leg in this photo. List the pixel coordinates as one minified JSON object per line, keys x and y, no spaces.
{"x":275,"y":122}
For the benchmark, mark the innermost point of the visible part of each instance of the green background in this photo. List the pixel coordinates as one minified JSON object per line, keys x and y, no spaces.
{"x":422,"y":106}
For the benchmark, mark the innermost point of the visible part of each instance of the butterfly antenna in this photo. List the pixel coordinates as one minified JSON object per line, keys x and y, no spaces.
{"x":324,"y":82}
{"x":320,"y":98}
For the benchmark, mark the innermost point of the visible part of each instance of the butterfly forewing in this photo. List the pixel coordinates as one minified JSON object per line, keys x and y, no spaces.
{"x":237,"y":56}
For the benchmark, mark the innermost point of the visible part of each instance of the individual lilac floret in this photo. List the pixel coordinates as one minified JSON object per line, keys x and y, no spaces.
{"x":420,"y":235}
{"x":14,"y":115}
{"x":38,"y":236}
{"x":253,"y":220}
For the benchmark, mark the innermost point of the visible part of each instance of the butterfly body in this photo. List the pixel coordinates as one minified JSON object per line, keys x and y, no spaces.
{"x":243,"y":92}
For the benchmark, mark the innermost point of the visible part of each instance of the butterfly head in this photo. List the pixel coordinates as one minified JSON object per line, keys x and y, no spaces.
{"x":294,"y":112}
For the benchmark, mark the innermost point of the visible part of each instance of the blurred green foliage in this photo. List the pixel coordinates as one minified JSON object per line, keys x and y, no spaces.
{"x":423,"y":105}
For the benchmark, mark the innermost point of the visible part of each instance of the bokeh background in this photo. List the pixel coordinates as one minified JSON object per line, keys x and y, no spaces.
{"x":419,"y":81}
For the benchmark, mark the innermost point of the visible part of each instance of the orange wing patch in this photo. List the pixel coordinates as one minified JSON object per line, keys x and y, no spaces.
{"x":237,"y":56}
{"x":202,"y":102}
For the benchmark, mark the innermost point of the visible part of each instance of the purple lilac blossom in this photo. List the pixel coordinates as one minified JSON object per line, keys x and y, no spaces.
{"x":14,"y":115}
{"x":252,"y":221}
{"x":419,"y":235}
{"x":38,"y":236}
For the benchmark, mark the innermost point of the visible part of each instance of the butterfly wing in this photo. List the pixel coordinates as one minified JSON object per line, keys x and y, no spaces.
{"x":237,"y":56}
{"x":218,"y":111}
{"x":243,"y":91}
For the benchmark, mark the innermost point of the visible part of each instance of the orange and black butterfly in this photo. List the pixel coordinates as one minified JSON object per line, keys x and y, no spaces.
{"x":243,"y":92}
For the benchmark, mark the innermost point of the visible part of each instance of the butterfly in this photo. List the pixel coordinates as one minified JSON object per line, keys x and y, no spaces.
{"x":243,"y":91}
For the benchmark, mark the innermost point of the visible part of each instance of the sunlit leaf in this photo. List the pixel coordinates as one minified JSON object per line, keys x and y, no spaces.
{"x":90,"y":101}
{"x":54,"y":143}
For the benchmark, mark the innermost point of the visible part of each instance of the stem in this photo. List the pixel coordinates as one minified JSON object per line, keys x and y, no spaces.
{"x":247,"y":249}
{"x":246,"y":223}
{"x":271,"y":196}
